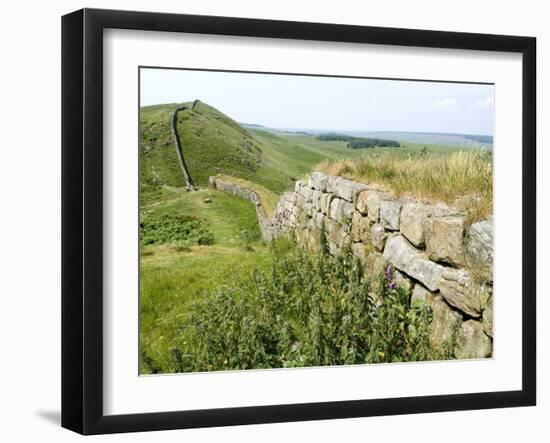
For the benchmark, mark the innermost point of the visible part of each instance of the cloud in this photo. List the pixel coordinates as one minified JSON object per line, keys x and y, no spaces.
{"x":488,"y":102}
{"x":445,"y":103}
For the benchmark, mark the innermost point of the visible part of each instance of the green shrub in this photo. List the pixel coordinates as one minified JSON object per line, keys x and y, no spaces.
{"x":164,"y":227}
{"x":305,"y":311}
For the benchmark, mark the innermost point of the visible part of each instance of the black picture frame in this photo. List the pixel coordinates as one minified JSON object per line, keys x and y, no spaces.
{"x":82,"y":219}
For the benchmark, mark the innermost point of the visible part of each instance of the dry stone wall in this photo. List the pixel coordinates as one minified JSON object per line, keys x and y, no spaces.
{"x":440,"y":259}
{"x":266,"y":224}
{"x":179,"y":151}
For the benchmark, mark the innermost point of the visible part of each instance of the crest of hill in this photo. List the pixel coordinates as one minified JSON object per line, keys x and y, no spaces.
{"x":212,"y":143}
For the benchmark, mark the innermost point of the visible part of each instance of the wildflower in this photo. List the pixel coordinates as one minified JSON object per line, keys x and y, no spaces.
{"x":392,"y":285}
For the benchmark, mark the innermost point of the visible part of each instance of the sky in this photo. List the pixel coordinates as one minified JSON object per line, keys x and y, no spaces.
{"x":327,"y":103}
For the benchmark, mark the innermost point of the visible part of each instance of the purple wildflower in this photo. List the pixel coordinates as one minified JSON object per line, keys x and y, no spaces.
{"x":392,"y":285}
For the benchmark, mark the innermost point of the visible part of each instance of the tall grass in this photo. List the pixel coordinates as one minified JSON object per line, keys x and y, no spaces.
{"x":464,"y":178}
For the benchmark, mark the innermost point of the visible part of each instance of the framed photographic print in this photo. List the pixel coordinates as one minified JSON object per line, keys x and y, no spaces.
{"x":269,"y":221}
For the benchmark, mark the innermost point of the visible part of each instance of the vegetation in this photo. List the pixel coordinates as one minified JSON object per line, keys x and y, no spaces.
{"x":172,"y":276}
{"x":334,"y":136}
{"x":359,"y":142}
{"x":158,"y":227}
{"x":303,"y":310}
{"x":362,"y":143}
{"x":462,"y":177}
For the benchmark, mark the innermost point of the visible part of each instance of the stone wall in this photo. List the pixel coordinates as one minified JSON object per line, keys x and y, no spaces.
{"x":266,"y":224}
{"x":179,"y":151}
{"x":443,"y":262}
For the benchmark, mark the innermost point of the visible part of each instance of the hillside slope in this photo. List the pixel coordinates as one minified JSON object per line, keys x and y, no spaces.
{"x":212,"y":143}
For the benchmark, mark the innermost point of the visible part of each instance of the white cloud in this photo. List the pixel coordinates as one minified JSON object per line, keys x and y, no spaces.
{"x":488,"y":102}
{"x":445,"y":103}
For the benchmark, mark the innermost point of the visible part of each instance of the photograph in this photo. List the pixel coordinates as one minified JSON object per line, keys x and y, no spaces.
{"x":297,"y":220}
{"x":275,"y":222}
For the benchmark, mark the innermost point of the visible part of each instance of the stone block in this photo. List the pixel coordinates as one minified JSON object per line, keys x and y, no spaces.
{"x":399,"y":252}
{"x":472,"y":341}
{"x":341,"y":211}
{"x":360,"y":228}
{"x":390,"y":212}
{"x":444,"y":239}
{"x":378,"y":237}
{"x":461,"y":291}
{"x":480,"y":248}
{"x":420,"y":293}
{"x":445,"y":323}
{"x":413,"y":219}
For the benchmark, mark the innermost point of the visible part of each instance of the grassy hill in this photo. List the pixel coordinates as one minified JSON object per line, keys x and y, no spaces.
{"x":213,"y":143}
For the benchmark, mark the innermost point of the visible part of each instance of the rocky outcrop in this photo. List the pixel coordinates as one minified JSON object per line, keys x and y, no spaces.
{"x":430,"y":246}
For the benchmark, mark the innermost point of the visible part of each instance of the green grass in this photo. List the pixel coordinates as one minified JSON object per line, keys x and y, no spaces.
{"x":225,"y":217}
{"x":160,"y":227}
{"x":297,"y":154}
{"x":170,"y":281}
{"x":268,"y":198}
{"x":171,"y":276}
{"x":157,"y":155}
